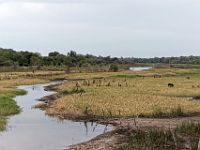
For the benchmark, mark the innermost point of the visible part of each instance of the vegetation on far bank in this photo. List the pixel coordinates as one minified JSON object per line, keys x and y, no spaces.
{"x":11,"y":60}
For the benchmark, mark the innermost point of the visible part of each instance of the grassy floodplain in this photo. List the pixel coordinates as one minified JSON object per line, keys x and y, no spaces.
{"x":130,"y":93}
{"x":118,"y":94}
{"x":8,"y":83}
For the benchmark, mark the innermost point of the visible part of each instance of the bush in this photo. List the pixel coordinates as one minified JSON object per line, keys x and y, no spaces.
{"x":114,"y":67}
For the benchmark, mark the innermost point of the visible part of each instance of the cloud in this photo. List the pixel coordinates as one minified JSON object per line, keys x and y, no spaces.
{"x":107,"y":27}
{"x":49,"y":1}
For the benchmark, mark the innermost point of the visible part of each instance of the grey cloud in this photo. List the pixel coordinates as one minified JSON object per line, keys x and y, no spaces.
{"x":139,"y":28}
{"x":48,"y":1}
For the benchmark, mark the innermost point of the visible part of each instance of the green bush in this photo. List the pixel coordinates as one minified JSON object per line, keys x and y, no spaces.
{"x":114,"y":68}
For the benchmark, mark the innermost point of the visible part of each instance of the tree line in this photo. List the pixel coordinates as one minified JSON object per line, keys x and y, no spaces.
{"x":10,"y":57}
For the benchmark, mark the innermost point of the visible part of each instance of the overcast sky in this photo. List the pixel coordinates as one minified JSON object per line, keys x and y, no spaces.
{"x":138,"y":28}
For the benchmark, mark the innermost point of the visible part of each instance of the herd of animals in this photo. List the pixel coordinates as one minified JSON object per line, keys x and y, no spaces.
{"x":100,"y":81}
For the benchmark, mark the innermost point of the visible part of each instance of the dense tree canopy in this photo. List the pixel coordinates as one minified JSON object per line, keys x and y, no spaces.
{"x":9,"y":57}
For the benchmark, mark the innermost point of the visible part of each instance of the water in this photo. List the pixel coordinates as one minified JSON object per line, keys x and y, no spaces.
{"x":33,"y":130}
{"x":139,"y":68}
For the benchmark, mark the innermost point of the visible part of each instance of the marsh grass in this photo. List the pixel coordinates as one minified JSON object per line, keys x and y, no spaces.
{"x":8,"y":91}
{"x":152,"y":139}
{"x":7,"y":105}
{"x":2,"y":123}
{"x":185,"y":135}
{"x":189,"y":127}
{"x":122,"y":96}
{"x":175,"y":112}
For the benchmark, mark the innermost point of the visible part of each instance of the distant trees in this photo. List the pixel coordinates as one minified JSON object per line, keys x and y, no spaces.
{"x":9,"y":57}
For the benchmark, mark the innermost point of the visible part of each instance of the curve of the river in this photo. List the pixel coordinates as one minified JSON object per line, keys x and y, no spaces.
{"x":33,"y":130}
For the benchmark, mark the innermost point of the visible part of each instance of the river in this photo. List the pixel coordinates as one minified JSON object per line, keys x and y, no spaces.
{"x":33,"y":130}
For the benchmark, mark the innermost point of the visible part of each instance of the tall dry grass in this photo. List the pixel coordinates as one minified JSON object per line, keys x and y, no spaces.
{"x":135,"y":96}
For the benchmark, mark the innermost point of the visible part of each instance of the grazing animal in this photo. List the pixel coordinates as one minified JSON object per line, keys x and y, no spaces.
{"x":196,"y":97}
{"x":188,"y":78}
{"x":77,"y":86}
{"x":198,"y":86}
{"x":193,"y":86}
{"x":170,"y":85}
{"x":88,"y":84}
{"x":119,"y":84}
{"x":93,"y":82}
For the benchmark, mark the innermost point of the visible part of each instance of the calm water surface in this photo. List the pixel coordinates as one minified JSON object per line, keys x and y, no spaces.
{"x":139,"y":68}
{"x":33,"y":130}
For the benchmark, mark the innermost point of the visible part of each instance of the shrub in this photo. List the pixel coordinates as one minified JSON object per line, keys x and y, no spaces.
{"x":114,"y":68}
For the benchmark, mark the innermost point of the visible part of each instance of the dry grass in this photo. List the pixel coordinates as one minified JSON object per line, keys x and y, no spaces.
{"x":135,"y":96}
{"x":36,"y":74}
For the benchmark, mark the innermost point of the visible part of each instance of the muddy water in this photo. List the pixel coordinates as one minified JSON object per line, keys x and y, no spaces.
{"x":33,"y":130}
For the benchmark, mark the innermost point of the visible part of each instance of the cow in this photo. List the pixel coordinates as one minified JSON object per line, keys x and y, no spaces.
{"x":170,"y":85}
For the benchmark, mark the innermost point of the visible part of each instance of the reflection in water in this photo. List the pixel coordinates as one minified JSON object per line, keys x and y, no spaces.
{"x":86,"y":128}
{"x":106,"y":128}
{"x":33,"y":130}
{"x":95,"y":127}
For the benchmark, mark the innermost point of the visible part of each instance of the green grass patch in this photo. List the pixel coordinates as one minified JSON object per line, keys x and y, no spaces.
{"x":163,"y":139}
{"x":187,"y":71}
{"x":8,"y":106}
{"x":124,"y":76}
{"x":158,"y":113}
{"x":2,"y":123}
{"x":189,"y":128}
{"x":152,"y":139}
{"x":98,"y":78}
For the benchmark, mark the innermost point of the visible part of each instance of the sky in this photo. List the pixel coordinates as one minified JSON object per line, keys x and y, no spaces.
{"x":127,"y":28}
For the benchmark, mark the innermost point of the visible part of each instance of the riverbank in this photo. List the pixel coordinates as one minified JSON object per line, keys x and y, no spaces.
{"x":122,"y":137}
{"x":8,"y":106}
{"x":146,"y":133}
{"x":32,"y":129}
{"x":124,"y":128}
{"x":9,"y":82}
{"x":109,"y":100}
{"x":139,"y":105}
